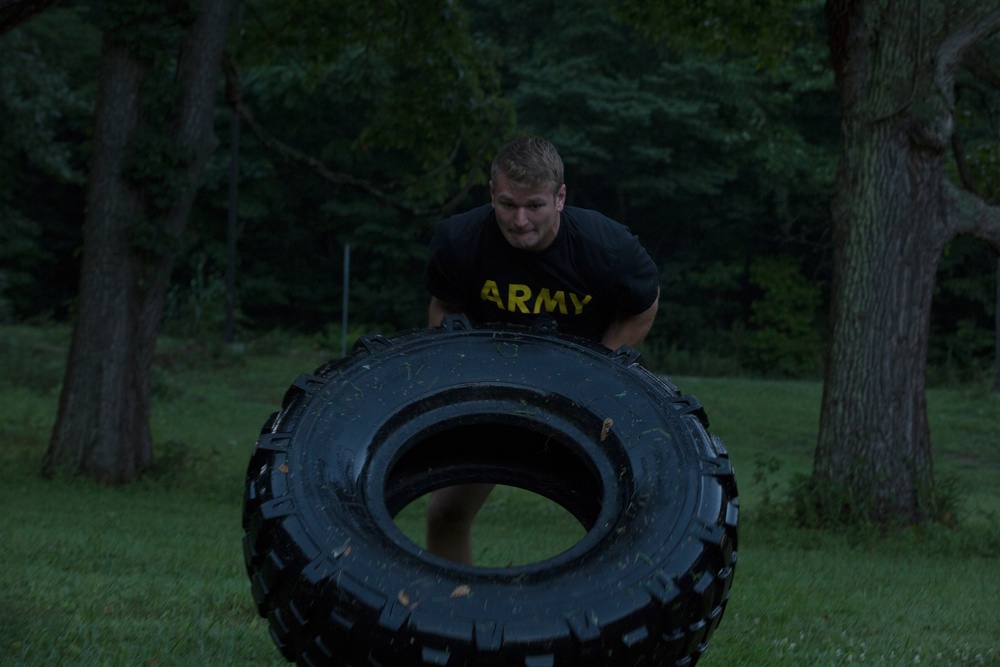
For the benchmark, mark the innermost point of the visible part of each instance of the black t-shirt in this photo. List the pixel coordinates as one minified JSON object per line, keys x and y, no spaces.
{"x":593,"y":272}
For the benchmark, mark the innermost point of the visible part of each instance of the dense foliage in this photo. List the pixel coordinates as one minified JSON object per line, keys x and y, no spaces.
{"x":724,"y":167}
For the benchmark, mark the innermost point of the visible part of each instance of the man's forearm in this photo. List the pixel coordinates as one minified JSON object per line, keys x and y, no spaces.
{"x":630,"y":330}
{"x":437,"y":310}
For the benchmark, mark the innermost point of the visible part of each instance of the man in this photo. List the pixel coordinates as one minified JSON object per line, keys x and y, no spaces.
{"x":524,"y":255}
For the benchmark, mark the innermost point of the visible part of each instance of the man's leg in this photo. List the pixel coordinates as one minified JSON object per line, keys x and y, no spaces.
{"x":450,"y":515}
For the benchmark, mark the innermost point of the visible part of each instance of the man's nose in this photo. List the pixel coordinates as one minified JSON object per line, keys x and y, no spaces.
{"x":521,"y":217}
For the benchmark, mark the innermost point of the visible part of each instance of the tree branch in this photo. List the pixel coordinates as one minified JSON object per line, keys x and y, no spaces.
{"x":841,"y":17}
{"x":954,"y":49}
{"x":234,"y":96}
{"x":15,"y":12}
{"x":962,"y":163}
{"x":983,"y":66}
{"x":971,"y":215}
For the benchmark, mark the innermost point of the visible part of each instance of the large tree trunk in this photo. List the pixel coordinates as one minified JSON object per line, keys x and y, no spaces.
{"x":874,"y":438}
{"x":894,"y":214}
{"x":102,"y":428}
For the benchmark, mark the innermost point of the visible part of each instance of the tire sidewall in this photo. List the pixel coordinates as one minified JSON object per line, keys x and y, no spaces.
{"x":371,"y":410}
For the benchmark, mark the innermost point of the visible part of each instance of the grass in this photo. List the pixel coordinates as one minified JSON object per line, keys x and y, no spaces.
{"x":152,"y":573}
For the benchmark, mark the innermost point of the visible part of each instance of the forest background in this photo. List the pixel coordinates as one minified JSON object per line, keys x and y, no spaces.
{"x":364,"y":124}
{"x":725,"y":169}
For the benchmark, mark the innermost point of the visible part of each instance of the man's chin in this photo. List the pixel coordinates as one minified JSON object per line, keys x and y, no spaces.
{"x":522,"y":241}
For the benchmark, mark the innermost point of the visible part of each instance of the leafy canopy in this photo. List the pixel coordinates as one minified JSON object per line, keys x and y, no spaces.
{"x":413,"y":97}
{"x":767,"y":29}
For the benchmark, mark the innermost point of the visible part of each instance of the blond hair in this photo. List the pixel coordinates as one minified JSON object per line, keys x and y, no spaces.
{"x":530,"y":162}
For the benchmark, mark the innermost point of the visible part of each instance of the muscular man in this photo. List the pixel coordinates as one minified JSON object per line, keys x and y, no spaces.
{"x":528,"y":254}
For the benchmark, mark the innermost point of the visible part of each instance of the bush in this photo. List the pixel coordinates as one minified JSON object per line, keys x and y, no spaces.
{"x":785,"y":337}
{"x":821,"y":503}
{"x":34,"y":358}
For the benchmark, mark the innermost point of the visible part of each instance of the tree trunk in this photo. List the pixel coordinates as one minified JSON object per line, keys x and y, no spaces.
{"x":874,"y":441}
{"x":894,"y":213}
{"x":102,"y":428}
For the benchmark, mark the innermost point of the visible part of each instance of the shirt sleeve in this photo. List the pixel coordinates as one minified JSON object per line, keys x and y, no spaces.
{"x":446,"y":277}
{"x":636,"y":282}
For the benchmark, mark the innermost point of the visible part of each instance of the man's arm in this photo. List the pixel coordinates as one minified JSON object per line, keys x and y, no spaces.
{"x":630,"y":330}
{"x":438,"y":309}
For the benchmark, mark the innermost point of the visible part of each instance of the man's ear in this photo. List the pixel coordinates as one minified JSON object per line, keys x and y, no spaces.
{"x":561,"y":197}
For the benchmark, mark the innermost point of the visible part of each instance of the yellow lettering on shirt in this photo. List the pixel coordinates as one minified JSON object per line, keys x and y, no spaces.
{"x":549,"y":302}
{"x":491,"y":293}
{"x":519,"y":299}
{"x":516,"y":297}
{"x":577,"y":303}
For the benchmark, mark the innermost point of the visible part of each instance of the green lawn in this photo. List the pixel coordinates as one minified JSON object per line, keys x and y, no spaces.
{"x":152,"y":574}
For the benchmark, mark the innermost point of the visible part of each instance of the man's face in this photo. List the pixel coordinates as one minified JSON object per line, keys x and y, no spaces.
{"x":528,"y":217}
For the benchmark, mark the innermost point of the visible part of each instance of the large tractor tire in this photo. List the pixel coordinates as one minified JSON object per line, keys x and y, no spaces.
{"x":588,"y":428}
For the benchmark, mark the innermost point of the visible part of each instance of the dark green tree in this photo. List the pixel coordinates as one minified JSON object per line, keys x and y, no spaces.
{"x":895,"y":66}
{"x":895,"y":212}
{"x":46,"y":108}
{"x":969,"y":302}
{"x":366,"y":121}
{"x":159,"y":76}
{"x":713,"y":162}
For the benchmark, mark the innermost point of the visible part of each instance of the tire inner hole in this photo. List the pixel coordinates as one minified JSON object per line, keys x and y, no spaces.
{"x":547,"y":497}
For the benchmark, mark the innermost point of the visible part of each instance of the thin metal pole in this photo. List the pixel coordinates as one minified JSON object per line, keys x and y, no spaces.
{"x":347,"y":281}
{"x":232,"y":227}
{"x":996,"y":331}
